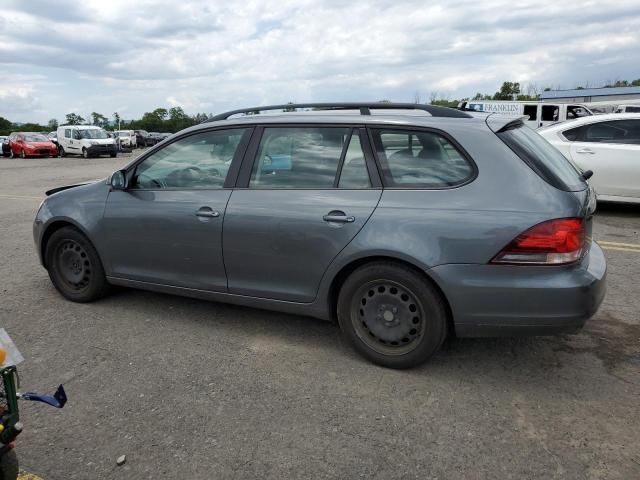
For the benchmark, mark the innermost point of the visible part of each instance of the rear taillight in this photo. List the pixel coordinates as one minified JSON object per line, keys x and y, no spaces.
{"x":554,"y":242}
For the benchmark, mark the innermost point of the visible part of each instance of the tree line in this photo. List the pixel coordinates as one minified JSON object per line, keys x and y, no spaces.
{"x":174,"y":119}
{"x":159,"y":120}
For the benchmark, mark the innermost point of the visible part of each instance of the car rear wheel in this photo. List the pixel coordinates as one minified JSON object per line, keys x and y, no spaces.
{"x":74,"y":266}
{"x":392,"y":314}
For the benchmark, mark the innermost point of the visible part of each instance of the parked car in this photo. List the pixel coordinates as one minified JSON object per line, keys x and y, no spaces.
{"x":53,"y":137}
{"x":85,"y":140}
{"x":4,"y":145}
{"x":30,"y":144}
{"x":404,"y":228}
{"x":608,"y":145}
{"x":127,"y":138}
{"x":143,"y":139}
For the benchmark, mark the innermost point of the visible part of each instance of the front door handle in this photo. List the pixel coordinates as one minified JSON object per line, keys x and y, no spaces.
{"x":586,"y":150}
{"x":338,"y":217}
{"x":207,"y":212}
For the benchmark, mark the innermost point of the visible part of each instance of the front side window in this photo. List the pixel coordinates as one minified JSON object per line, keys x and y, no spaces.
{"x":199,"y":161}
{"x":67,"y":133}
{"x":299,"y":157}
{"x":419,"y":159}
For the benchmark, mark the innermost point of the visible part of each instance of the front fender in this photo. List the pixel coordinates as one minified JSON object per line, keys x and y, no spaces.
{"x":81,"y":206}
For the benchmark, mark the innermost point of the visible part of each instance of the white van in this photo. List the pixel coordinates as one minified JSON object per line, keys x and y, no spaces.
{"x":127,"y":138}
{"x":540,"y":114}
{"x":85,"y":140}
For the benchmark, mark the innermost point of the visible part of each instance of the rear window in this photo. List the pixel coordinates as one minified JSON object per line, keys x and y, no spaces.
{"x":543,"y":157}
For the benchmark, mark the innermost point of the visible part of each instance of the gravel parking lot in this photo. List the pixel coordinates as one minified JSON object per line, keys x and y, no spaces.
{"x":191,"y":389}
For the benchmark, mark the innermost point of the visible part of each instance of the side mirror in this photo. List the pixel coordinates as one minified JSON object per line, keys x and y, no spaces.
{"x":119,"y":180}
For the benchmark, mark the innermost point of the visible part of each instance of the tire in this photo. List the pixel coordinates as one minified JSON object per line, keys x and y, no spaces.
{"x":23,"y":155}
{"x":61,"y":151}
{"x":392,"y":315}
{"x":113,"y":155}
{"x":74,"y":266}
{"x":9,"y":466}
{"x":11,"y":154}
{"x":85,"y":153}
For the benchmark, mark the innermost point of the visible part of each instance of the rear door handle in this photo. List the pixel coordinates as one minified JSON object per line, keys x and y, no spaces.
{"x":207,"y":212}
{"x":586,"y":150}
{"x":338,"y":217}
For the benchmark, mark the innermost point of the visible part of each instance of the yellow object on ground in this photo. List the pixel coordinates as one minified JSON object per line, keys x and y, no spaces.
{"x":3,"y":355}
{"x":28,"y":476}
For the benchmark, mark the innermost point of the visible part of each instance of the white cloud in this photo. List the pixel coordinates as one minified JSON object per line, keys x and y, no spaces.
{"x":208,"y":56}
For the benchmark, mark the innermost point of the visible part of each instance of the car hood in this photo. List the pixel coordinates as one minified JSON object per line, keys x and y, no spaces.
{"x":41,"y":144}
{"x":67,"y":187}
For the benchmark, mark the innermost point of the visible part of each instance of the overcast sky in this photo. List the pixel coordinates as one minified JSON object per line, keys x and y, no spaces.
{"x":129,"y":56}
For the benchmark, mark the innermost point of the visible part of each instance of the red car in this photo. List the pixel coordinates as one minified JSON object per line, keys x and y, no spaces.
{"x":28,"y":144}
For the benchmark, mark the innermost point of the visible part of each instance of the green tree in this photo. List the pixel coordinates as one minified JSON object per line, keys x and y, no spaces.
{"x":5,"y":126}
{"x":116,"y":120}
{"x":481,"y":96}
{"x":507,"y":91}
{"x":98,"y":119}
{"x":53,"y":124}
{"x":73,"y":119}
{"x":636,"y":82}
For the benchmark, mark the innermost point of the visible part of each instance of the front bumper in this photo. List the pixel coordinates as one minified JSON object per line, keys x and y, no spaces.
{"x":503,"y":300}
{"x":102,"y":149}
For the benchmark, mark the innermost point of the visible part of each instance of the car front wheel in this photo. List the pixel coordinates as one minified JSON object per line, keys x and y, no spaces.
{"x":74,"y":266}
{"x":392,"y":315}
{"x":85,"y":153}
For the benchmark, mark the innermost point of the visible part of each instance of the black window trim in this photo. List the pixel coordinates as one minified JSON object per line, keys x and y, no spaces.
{"x":251,"y":156}
{"x":385,"y":174}
{"x":582,"y":131}
{"x":232,"y":173}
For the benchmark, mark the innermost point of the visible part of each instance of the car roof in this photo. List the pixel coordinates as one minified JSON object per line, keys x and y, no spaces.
{"x":606,"y":117}
{"x":334,"y":118}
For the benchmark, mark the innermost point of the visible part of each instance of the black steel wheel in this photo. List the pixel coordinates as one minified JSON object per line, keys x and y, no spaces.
{"x":61,"y":151}
{"x":74,"y":266}
{"x":392,"y":314}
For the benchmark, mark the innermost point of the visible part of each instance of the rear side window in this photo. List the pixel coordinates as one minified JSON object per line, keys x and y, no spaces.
{"x":420,"y":159}
{"x":308,"y":157}
{"x":542,"y":157}
{"x":616,"y":131}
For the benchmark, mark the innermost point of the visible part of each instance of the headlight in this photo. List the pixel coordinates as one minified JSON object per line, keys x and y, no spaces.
{"x":94,"y":143}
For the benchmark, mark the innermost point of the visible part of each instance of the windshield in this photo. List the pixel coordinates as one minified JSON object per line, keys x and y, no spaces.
{"x":93,"y":133}
{"x":123,"y":133}
{"x":35,"y":137}
{"x":543,"y":157}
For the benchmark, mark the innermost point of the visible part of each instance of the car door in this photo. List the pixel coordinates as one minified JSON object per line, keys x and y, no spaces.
{"x":611,"y":150}
{"x":303,"y":194}
{"x":166,"y":227}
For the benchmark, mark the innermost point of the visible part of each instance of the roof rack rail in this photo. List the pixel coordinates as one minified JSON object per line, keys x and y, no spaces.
{"x":364,"y":107}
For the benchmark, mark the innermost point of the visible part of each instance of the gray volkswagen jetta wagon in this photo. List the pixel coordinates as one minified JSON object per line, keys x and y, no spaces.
{"x":404,"y":222}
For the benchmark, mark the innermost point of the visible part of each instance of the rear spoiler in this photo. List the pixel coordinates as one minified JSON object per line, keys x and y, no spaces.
{"x":498,"y":123}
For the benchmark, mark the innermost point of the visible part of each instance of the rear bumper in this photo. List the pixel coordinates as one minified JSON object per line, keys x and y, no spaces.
{"x":504,"y":300}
